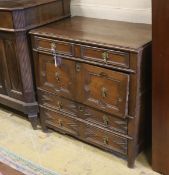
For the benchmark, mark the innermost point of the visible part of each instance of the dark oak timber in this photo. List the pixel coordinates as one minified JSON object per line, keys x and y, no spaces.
{"x":93,"y":81}
{"x":16,"y":18}
{"x":160,"y":131}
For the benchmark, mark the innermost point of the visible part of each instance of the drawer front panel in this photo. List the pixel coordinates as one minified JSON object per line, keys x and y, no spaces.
{"x":58,"y":120}
{"x":85,"y":131}
{"x":58,"y":103}
{"x":59,"y":46}
{"x":105,"y":139}
{"x":54,"y":79}
{"x":103,"y":119}
{"x":106,"y":90}
{"x":106,"y":56}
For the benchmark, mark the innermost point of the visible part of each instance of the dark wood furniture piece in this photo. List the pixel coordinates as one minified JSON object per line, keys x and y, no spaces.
{"x":92,"y":80}
{"x":16,"y":18}
{"x":160,"y":131}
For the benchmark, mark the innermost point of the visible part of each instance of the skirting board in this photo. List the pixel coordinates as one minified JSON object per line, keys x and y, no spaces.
{"x":109,"y":12}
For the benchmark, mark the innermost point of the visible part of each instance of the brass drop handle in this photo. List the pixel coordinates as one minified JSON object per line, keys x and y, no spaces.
{"x":57,"y":76}
{"x":60,"y":123}
{"x":60,"y":106}
{"x":106,"y":140}
{"x":104,"y":92}
{"x":106,"y":120}
{"x":105,"y":56}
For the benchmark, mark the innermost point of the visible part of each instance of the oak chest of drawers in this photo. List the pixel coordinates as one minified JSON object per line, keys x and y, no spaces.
{"x":93,"y":81}
{"x":16,"y":19}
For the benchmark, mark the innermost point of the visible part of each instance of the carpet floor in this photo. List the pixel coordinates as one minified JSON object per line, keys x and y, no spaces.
{"x":62,"y":154}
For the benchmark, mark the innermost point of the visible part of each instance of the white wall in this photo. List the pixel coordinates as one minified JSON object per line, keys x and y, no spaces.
{"x":123,"y":10}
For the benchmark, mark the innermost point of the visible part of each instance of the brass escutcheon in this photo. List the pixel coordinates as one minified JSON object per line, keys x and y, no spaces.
{"x":60,"y":123}
{"x":104,"y":92}
{"x":105,"y":56}
{"x":57,"y":76}
{"x":60,"y":105}
{"x":106,"y":120}
{"x":106,"y":140}
{"x":78,"y":67}
{"x":53,"y":47}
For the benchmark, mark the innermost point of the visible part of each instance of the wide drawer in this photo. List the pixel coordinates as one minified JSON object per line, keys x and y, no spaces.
{"x":49,"y":45}
{"x":105,"y":56}
{"x":85,"y":131}
{"x":82,"y":111}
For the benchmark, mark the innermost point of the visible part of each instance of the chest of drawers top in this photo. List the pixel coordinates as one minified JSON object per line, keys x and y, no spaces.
{"x":105,"y":33}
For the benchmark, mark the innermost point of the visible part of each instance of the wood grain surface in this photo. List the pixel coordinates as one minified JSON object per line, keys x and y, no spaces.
{"x":160,"y":137}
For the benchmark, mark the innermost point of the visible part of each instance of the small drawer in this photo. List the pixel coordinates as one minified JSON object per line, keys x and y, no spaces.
{"x":59,"y":103}
{"x":49,"y":45}
{"x":105,"y":56}
{"x":103,"y":119}
{"x":105,"y":139}
{"x":59,"y":121}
